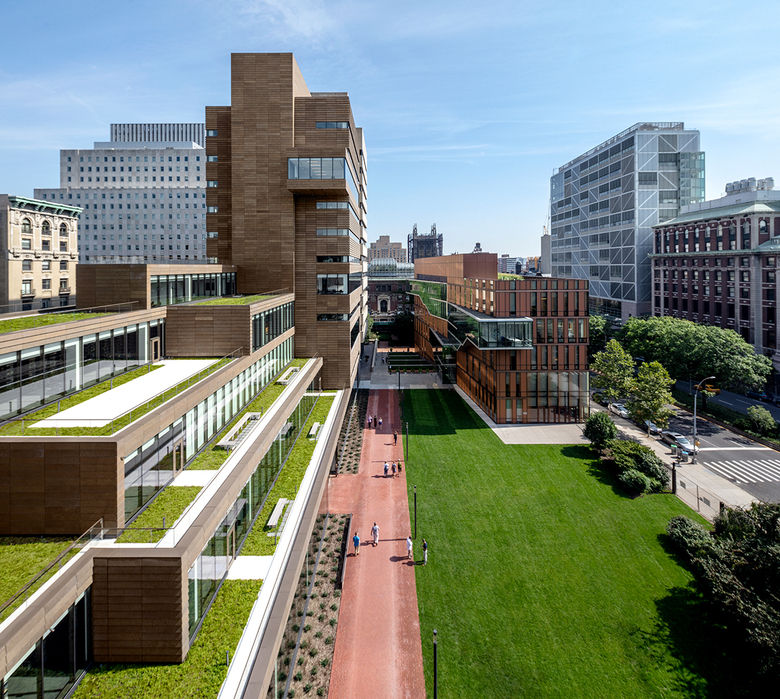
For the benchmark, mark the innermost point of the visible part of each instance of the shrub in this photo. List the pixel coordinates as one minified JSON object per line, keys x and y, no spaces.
{"x":634,"y":481}
{"x":649,"y":464}
{"x":761,"y":420}
{"x":689,"y":537}
{"x":622,"y":455}
{"x":599,"y":429}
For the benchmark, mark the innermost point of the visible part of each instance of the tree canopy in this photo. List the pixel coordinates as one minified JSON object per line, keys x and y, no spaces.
{"x":614,"y":369}
{"x":691,"y":351}
{"x":650,"y":394}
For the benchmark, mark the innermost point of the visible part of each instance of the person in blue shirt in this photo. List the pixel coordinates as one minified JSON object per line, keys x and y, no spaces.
{"x":356,"y":543}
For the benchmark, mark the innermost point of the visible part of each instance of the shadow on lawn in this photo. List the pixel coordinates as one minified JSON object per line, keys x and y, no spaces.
{"x":596,"y":468}
{"x":438,"y":412}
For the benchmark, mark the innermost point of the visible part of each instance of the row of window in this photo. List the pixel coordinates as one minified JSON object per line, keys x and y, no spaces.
{"x":27,"y":265}
{"x":27,"y":228}
{"x":45,"y":245}
{"x":268,"y":325}
{"x":169,"y":289}
{"x":339,"y":283}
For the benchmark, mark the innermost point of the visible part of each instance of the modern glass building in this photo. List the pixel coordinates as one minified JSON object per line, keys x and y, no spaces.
{"x":604,"y":203}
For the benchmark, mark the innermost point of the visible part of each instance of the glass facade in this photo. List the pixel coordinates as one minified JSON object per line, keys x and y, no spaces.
{"x":56,"y":661}
{"x":212,"y":565}
{"x":322,"y":169}
{"x":268,"y":325}
{"x":169,"y":289}
{"x":153,"y":465}
{"x":34,"y":376}
{"x":489,"y":334}
{"x":432,"y":294}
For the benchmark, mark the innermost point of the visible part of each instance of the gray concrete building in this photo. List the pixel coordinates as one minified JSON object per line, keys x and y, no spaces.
{"x":605,"y":202}
{"x":143,"y":194}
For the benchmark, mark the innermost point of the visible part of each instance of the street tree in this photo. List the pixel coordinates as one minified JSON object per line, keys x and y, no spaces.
{"x":599,"y":429}
{"x":614,"y":369}
{"x":650,"y":394}
{"x":600,"y":331}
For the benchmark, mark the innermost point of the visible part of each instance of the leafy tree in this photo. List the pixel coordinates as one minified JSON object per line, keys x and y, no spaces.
{"x":761,"y":420}
{"x":614,"y":369}
{"x":690,"y":351}
{"x":651,"y":395}
{"x":738,"y":571}
{"x":600,"y":330}
{"x":599,"y":429}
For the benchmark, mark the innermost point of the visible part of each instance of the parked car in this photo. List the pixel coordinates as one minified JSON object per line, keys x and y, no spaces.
{"x":652,"y":428}
{"x":678,"y":440}
{"x":619,"y":409}
{"x":758,"y":395}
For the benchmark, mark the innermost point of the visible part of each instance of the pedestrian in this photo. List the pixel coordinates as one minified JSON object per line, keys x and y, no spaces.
{"x":409,"y":547}
{"x":399,"y":468}
{"x":393,"y":469}
{"x":395,"y":437}
{"x":375,"y":533}
{"x":387,"y":468}
{"x":369,"y":422}
{"x":356,"y":543}
{"x":380,"y":421}
{"x":425,"y":552}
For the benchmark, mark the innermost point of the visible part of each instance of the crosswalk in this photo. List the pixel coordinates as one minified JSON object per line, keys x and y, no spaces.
{"x":747,"y":471}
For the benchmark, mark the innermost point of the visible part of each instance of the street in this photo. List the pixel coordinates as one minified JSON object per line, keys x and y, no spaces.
{"x":752,"y":466}
{"x":735,"y":401}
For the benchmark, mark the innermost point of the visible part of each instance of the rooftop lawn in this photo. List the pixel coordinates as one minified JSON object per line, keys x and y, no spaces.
{"x":161,"y":515}
{"x":235,"y":300}
{"x":203,"y":671}
{"x":42,"y":319}
{"x":21,"y":558}
{"x":22,"y":426}
{"x":257,"y":542}
{"x":543,"y":579}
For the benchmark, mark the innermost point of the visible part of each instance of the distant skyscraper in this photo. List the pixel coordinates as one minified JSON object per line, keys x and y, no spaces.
{"x":604,"y":203}
{"x":425,"y":245}
{"x":143,"y":194}
{"x":385,"y":249}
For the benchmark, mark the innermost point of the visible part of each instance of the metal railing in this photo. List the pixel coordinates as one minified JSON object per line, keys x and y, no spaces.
{"x":95,"y":532}
{"x":127,"y":417}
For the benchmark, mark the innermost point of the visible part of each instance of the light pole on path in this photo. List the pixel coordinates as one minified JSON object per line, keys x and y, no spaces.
{"x":695,"y":397}
{"x":435,"y":668}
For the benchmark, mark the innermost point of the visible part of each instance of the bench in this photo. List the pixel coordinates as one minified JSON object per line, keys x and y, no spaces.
{"x":315,"y":430}
{"x":288,"y":375}
{"x":273,"y":520}
{"x":234,"y":437}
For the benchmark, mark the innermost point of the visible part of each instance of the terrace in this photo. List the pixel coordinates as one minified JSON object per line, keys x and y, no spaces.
{"x":234,"y":300}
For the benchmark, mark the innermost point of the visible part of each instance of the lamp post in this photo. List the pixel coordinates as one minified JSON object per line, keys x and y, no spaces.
{"x":415,"y":508}
{"x":435,"y":668}
{"x":406,"y":443}
{"x":695,"y":397}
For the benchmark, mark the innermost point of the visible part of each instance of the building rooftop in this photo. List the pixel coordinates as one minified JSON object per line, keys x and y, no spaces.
{"x":731,"y":209}
{"x":235,"y":300}
{"x":42,"y":319}
{"x":44,"y":206}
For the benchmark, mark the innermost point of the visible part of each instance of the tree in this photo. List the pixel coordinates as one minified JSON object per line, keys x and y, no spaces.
{"x":650,"y":394}
{"x":761,"y":419}
{"x":599,"y":429}
{"x":600,"y":330}
{"x":690,"y":351}
{"x":614,"y":369}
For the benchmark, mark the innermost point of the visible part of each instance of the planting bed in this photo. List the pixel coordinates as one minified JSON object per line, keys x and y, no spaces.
{"x":306,"y":653}
{"x":351,"y":437}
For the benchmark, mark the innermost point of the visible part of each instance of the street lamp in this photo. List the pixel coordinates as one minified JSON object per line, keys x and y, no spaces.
{"x":695,"y":397}
{"x":435,"y":668}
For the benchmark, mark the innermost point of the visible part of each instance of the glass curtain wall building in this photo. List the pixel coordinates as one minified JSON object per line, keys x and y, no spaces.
{"x":604,"y":203}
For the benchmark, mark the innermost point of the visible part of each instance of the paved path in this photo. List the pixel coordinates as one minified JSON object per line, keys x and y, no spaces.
{"x":378,"y":650}
{"x":100,"y":410}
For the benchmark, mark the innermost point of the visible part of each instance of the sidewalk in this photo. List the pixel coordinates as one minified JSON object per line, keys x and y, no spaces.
{"x":381,"y":378}
{"x":378,"y":651}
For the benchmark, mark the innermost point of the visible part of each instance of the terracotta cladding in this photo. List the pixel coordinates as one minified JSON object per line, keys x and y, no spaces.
{"x":218,"y":118}
{"x":480,"y":265}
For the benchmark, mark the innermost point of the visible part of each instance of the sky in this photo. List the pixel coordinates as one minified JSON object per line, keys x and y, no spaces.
{"x":467,"y":107}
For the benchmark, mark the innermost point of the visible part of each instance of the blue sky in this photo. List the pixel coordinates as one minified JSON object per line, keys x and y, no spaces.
{"x":467,"y":106}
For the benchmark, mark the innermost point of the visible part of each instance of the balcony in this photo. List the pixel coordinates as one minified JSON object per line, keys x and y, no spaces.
{"x":27,"y":291}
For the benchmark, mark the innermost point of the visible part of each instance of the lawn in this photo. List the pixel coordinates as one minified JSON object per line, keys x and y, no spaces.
{"x":203,"y":671}
{"x":21,"y":558}
{"x":235,"y":300}
{"x":42,"y":319}
{"x":154,"y":521}
{"x":543,"y":579}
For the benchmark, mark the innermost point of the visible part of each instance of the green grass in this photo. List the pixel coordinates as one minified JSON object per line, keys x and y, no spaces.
{"x":212,"y":458}
{"x":204,"y":669}
{"x":14,"y":428}
{"x":543,"y":579}
{"x":257,"y":542}
{"x":235,"y":301}
{"x":21,"y":558}
{"x":170,"y":504}
{"x":43,"y":319}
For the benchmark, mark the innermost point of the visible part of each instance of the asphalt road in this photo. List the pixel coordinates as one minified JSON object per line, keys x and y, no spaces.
{"x":754,"y":467}
{"x":735,"y":401}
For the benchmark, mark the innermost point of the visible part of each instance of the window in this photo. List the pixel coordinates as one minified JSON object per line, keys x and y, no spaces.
{"x":212,"y":133}
{"x":332,"y":125}
{"x":648,"y":178}
{"x":331,"y":283}
{"x":212,"y":234}
{"x":26,"y":227}
{"x":45,"y":245}
{"x":26,"y":244}
{"x":332,"y":205}
{"x":63,"y":246}
{"x":63,"y":264}
{"x":46,"y":265}
{"x":46,"y":228}
{"x":212,"y":183}
{"x":45,"y":283}
{"x":63,"y":230}
{"x":212,"y":209}
{"x":63,"y":284}
{"x":212,"y":159}
{"x":333,"y":316}
{"x":26,"y":287}
{"x":27,"y":265}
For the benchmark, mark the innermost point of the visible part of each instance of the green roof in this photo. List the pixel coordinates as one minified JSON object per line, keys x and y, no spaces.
{"x":38,"y":321}
{"x":234,"y":300}
{"x":754,"y":207}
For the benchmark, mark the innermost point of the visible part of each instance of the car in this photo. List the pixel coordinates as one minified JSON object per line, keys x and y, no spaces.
{"x":619,"y":409}
{"x":757,"y":395}
{"x":678,"y":440}
{"x":652,"y":428}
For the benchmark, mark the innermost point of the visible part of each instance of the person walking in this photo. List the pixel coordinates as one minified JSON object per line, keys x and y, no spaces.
{"x":400,"y":468}
{"x":409,"y":547}
{"x":395,"y":437}
{"x":425,"y":552}
{"x":375,"y":533}
{"x":393,"y":469}
{"x":380,"y":421}
{"x":356,"y":543}
{"x":387,"y":468}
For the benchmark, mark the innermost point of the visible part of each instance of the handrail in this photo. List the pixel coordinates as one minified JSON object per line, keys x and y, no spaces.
{"x":94,"y":532}
{"x":143,"y":408}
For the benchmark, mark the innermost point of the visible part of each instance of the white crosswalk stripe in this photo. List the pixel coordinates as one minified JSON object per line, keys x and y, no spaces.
{"x":747,"y":471}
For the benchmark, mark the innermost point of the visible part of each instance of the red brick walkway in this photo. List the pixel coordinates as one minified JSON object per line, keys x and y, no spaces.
{"x":378,"y":651}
